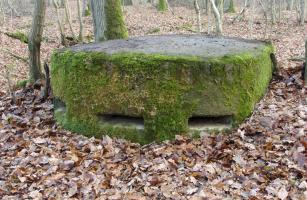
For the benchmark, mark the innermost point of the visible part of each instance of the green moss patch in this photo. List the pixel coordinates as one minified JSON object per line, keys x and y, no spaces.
{"x":19,"y":36}
{"x":161,"y":91}
{"x":162,"y":5}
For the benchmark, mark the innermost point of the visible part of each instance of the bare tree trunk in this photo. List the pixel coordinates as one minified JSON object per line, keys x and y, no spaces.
{"x":289,"y":4}
{"x":68,"y":18}
{"x":84,"y":5}
{"x":206,"y":3}
{"x":99,"y":19}
{"x":80,"y":38}
{"x":246,"y":3}
{"x":251,"y":18}
{"x":279,"y":10}
{"x":108,"y":20}
{"x":35,"y":38}
{"x":273,"y":11}
{"x":197,"y":10}
{"x":60,"y":25}
{"x":221,"y":10}
{"x":231,"y":8}
{"x":218,"y":21}
{"x":305,"y":72}
{"x":2,"y":13}
{"x":13,"y":10}
{"x":209,"y":16}
{"x":302,"y":12}
{"x":62,"y":3}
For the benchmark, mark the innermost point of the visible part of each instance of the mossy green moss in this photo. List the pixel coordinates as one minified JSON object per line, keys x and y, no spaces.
{"x":162,"y":5}
{"x":87,"y":11}
{"x":164,"y":90}
{"x":21,"y":83}
{"x":116,"y":27}
{"x":231,"y":8}
{"x":19,"y":36}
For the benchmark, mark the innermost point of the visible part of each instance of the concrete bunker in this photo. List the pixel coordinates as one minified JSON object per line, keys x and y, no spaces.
{"x":154,"y":87}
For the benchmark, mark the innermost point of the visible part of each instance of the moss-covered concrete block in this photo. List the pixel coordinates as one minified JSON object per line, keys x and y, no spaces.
{"x":154,"y":87}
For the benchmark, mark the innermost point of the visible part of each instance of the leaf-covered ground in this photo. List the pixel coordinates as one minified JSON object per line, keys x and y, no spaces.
{"x":266,"y":158}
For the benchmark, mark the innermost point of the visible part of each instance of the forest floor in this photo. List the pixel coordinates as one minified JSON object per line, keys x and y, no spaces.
{"x":265,"y":158}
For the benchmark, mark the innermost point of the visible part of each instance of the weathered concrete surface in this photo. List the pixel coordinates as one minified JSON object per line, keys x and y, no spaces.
{"x":175,"y":45}
{"x":154,"y":87}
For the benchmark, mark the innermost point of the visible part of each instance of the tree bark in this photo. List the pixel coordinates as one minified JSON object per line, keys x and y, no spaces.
{"x":60,"y":25}
{"x":302,"y":12}
{"x":209,"y":16}
{"x":35,"y":38}
{"x":231,"y":8}
{"x":197,"y":10}
{"x":68,"y":18}
{"x":108,"y":20}
{"x":273,"y":11}
{"x":2,"y":13}
{"x":289,"y":4}
{"x":80,"y":37}
{"x":218,"y":21}
{"x":99,"y":19}
{"x":305,"y":72}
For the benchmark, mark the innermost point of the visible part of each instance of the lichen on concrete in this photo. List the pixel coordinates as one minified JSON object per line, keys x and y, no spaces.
{"x":128,"y":78}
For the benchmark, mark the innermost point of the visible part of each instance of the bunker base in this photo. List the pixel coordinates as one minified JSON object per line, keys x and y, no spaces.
{"x":152,"y":88}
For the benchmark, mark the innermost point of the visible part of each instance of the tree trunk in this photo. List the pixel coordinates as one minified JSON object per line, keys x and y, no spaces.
{"x":108,"y":20}
{"x":273,"y":11}
{"x":209,"y":16}
{"x":35,"y":38}
{"x":279,"y":10}
{"x":60,"y":25}
{"x":305,"y":73}
{"x":86,"y":11}
{"x":68,"y":18}
{"x":302,"y":12}
{"x":162,"y":6}
{"x":289,"y":4}
{"x":246,"y":3}
{"x":80,"y":38}
{"x":218,"y":20}
{"x":206,"y":3}
{"x":251,"y":17}
{"x":231,"y":8}
{"x":220,"y":6}
{"x":197,"y":10}
{"x":2,"y":13}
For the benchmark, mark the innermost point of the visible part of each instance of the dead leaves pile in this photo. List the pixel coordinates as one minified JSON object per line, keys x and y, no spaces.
{"x":264,"y":159}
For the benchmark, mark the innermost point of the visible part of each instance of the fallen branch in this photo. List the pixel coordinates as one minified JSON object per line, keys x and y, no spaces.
{"x":297,"y":59}
{"x":18,"y":36}
{"x":241,"y":13}
{"x":15,"y":55}
{"x":169,"y":8}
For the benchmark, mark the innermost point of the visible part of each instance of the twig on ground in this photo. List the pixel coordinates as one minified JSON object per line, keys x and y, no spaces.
{"x":15,"y":55}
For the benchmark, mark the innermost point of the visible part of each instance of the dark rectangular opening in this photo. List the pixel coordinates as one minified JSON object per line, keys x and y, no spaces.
{"x":119,"y":120}
{"x":210,"y":122}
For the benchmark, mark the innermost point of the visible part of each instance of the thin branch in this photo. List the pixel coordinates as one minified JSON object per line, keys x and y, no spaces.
{"x":26,"y":60}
